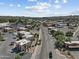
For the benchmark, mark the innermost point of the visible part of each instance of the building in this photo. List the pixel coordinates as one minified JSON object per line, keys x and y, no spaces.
{"x":4,"y":24}
{"x":25,"y":35}
{"x":22,"y":45}
{"x":24,"y":32}
{"x":72,"y":44}
{"x":28,"y":26}
{"x":7,"y":28}
{"x":29,"y":37}
{"x":21,"y":28}
{"x":52,"y":28}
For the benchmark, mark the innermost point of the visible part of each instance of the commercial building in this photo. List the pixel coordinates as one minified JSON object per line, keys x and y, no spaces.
{"x":72,"y":44}
{"x":22,"y":45}
{"x":4,"y":24}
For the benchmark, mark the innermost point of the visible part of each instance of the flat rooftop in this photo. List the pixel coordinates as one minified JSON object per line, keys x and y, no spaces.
{"x":22,"y":42}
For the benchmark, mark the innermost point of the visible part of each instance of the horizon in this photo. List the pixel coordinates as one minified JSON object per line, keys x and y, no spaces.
{"x":37,"y":16}
{"x":39,"y":8}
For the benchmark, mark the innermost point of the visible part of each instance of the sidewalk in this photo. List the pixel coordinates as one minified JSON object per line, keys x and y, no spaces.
{"x":36,"y":52}
{"x":37,"y":49}
{"x":60,"y":56}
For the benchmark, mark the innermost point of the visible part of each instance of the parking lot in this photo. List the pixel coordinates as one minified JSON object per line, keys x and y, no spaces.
{"x":6,"y":49}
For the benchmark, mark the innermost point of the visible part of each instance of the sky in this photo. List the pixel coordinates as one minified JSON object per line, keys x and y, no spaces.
{"x":39,"y":8}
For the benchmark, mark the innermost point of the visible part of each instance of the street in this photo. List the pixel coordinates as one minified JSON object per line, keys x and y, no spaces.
{"x":47,"y":45}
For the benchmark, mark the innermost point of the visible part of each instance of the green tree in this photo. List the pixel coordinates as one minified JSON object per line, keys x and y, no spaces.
{"x":17,"y":56}
{"x":60,"y":40}
{"x":57,"y":33}
{"x":69,"y":34}
{"x":52,"y":32}
{"x":19,"y":36}
{"x":68,"y":39}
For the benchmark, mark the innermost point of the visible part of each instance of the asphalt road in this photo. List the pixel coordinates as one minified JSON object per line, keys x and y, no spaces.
{"x":47,"y":45}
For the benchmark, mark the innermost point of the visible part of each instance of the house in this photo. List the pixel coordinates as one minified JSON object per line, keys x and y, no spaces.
{"x":72,"y":44}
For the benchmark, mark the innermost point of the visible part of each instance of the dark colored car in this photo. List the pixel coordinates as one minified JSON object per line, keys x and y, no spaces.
{"x":50,"y":55}
{"x":12,"y":43}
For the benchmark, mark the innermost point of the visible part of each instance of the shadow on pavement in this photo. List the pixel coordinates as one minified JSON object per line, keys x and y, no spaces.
{"x":74,"y":49}
{"x":15,"y":50}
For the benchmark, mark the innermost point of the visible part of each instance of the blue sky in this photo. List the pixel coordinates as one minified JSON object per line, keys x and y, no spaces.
{"x":38,"y":8}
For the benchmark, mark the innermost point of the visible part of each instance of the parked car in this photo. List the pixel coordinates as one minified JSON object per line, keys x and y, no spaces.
{"x":12,"y":43}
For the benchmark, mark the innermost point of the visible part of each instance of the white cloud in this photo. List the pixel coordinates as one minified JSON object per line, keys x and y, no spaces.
{"x":18,"y":5}
{"x":11,"y":5}
{"x":65,"y":1}
{"x":74,"y":12}
{"x":29,"y":7}
{"x":32,"y":0}
{"x":1,"y":3}
{"x":45,"y":9}
{"x":39,"y":7}
{"x":57,"y":6}
{"x":56,"y":1}
{"x":43,"y":5}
